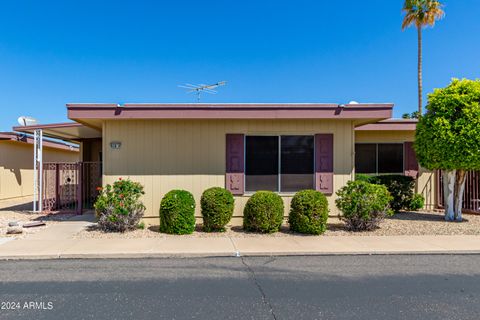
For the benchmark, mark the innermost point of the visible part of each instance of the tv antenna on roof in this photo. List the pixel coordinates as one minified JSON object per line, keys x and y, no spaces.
{"x":200,"y":88}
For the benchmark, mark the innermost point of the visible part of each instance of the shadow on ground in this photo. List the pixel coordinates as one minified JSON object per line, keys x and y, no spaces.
{"x":28,"y":206}
{"x":421,"y":216}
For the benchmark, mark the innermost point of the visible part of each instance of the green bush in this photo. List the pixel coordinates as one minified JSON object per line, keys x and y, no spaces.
{"x":308,"y":212}
{"x":363,"y":205}
{"x":363,"y":177}
{"x":118,"y":207}
{"x":177,"y":212}
{"x":417,"y":202}
{"x":263,"y":212}
{"x":217,"y":208}
{"x":401,"y":188}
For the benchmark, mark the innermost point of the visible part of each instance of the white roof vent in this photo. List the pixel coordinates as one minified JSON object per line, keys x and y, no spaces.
{"x":353,"y":102}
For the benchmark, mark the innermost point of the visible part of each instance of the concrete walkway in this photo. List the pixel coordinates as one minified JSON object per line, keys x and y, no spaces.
{"x":57,"y":241}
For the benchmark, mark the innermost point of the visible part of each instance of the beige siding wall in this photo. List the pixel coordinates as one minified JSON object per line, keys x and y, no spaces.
{"x":426,"y":179}
{"x":16,"y":167}
{"x":190,"y":154}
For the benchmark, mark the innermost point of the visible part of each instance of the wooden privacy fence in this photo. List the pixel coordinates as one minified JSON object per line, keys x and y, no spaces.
{"x":70,"y":186}
{"x":471,"y":197}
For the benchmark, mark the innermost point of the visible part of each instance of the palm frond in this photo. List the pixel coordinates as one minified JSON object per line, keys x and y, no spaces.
{"x":421,"y":13}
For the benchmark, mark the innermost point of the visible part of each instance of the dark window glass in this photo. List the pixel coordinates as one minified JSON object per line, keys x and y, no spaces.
{"x":296,"y":163}
{"x":365,"y":158}
{"x":390,"y":158}
{"x":261,"y":163}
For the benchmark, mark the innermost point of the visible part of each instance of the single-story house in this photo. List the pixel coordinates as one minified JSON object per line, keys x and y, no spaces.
{"x":16,"y":162}
{"x":242,"y":147}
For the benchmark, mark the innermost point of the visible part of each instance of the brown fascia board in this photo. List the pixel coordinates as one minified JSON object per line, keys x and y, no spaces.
{"x":390,"y":125}
{"x":230,"y":111}
{"x":49,"y":126}
{"x":15,"y":137}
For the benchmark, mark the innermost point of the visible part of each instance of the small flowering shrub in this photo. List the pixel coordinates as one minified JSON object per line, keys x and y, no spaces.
{"x":118,"y":207}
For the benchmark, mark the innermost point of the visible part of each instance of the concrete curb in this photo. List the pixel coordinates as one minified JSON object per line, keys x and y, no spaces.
{"x":228,"y":254}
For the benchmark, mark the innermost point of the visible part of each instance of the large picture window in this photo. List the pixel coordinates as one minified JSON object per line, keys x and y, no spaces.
{"x":261,"y":163}
{"x":379,"y":158}
{"x":283,"y":164}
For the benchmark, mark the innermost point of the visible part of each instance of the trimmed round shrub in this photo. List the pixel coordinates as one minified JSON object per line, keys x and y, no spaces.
{"x":118,"y":207}
{"x":177,"y":212}
{"x":308,"y":212}
{"x":263,"y":212}
{"x":364,"y":205}
{"x":417,"y":202}
{"x":217,"y":208}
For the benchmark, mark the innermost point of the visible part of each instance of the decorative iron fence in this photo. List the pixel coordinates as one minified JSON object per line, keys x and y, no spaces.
{"x":70,"y":186}
{"x":471,"y":196}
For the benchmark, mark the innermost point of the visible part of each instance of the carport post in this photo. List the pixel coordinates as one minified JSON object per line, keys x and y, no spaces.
{"x":37,"y":169}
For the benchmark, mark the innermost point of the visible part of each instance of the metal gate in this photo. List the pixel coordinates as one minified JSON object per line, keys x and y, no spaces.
{"x":70,"y":186}
{"x":471,"y":196}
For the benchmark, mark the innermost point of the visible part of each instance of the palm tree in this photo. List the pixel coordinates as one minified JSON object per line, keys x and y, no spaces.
{"x":421,"y":13}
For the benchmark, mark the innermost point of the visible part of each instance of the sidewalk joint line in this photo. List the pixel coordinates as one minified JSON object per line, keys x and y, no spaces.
{"x":237,"y":253}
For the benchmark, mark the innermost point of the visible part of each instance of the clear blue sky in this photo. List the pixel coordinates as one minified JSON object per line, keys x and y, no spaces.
{"x":54,"y":52}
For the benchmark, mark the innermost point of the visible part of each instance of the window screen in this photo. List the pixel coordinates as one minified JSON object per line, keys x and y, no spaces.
{"x":296,"y":163}
{"x":366,"y":158}
{"x":390,"y":158}
{"x":264,"y":169}
{"x":261,"y":163}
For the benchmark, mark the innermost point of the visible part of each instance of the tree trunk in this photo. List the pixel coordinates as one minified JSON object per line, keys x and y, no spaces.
{"x":448,"y":194}
{"x":459,"y":189}
{"x":420,"y":86}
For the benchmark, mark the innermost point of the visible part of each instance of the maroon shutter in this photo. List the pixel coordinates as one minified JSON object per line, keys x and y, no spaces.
{"x":324,"y":163}
{"x":410,"y":160}
{"x":235,"y":163}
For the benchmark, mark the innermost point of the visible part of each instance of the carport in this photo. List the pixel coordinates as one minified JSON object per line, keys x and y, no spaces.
{"x":70,"y":186}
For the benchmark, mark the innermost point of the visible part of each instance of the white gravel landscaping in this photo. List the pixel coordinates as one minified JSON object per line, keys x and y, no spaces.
{"x":404,"y":223}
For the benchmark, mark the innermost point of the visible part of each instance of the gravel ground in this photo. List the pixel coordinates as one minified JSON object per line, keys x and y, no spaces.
{"x":24,"y":217}
{"x":404,"y":223}
{"x":18,"y":210}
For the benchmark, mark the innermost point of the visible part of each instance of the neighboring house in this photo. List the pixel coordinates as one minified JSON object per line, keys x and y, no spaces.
{"x":16,"y":162}
{"x":242,"y":147}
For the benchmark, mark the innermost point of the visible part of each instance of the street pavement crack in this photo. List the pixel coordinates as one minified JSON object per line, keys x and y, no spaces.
{"x":259,"y":287}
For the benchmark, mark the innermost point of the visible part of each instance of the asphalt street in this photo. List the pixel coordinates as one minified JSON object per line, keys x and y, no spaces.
{"x":315,"y":287}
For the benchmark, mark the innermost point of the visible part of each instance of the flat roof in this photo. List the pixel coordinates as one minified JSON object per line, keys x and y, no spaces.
{"x":23,"y":138}
{"x":68,"y":131}
{"x":104,"y":111}
{"x":390,"y":125}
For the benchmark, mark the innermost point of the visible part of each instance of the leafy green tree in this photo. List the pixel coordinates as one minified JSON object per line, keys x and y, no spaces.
{"x":421,"y":13}
{"x":448,"y":138}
